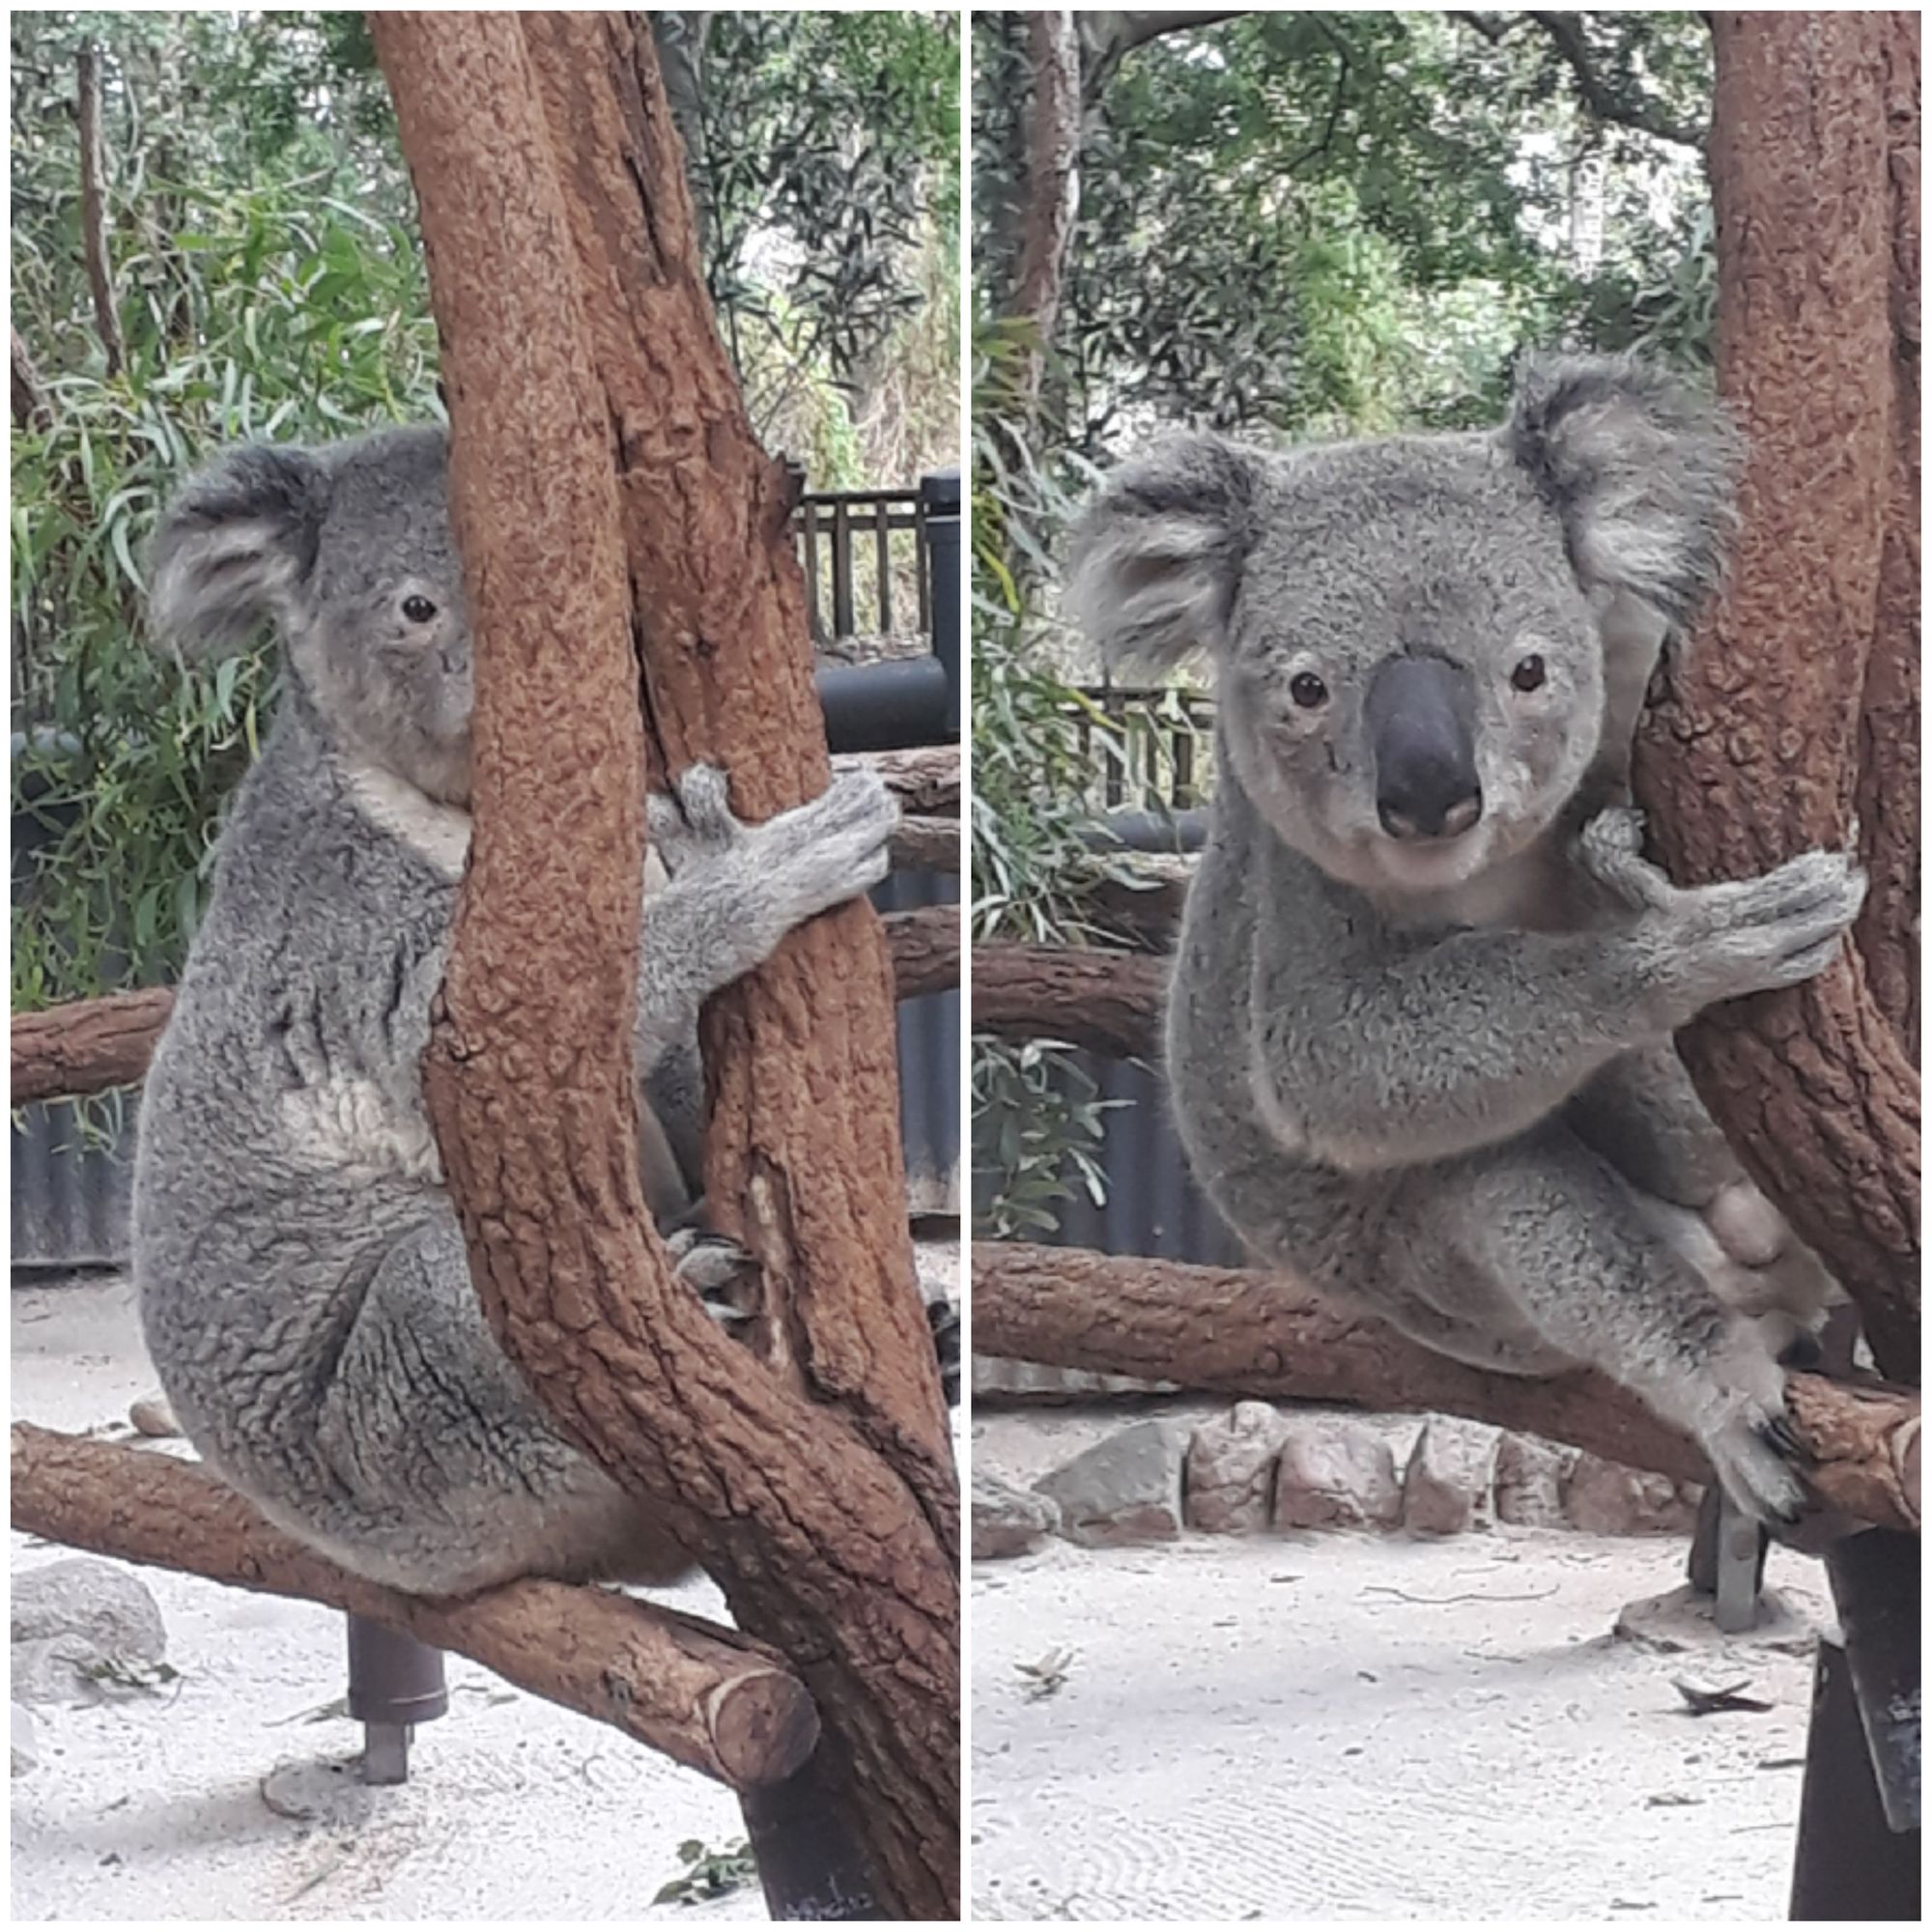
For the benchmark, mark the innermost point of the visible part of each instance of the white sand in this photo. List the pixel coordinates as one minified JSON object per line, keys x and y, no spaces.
{"x":1264,"y":1728}
{"x":153,"y":1807}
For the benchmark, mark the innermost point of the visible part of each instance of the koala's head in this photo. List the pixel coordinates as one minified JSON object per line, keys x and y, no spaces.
{"x":1412,"y":636}
{"x":349,"y":552}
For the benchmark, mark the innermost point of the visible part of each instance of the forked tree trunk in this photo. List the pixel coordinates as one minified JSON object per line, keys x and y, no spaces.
{"x":625,"y":536}
{"x":1795,"y":723}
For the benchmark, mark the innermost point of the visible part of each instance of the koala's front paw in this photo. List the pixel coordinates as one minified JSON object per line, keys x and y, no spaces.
{"x":833,"y":848}
{"x":696,"y":824}
{"x":1745,"y":1433}
{"x":1779,"y":930}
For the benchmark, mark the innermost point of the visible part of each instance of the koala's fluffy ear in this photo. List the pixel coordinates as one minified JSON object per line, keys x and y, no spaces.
{"x":1155,"y":558}
{"x":235,"y":546}
{"x":1641,"y":469}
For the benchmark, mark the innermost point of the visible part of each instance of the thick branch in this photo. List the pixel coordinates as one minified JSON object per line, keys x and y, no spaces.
{"x":1241,"y":1332}
{"x":30,"y":399}
{"x":1621,"y":106}
{"x":1052,"y":185}
{"x":710,"y":1697}
{"x":93,"y":207}
{"x":87,"y":1046}
{"x":1110,"y":1002}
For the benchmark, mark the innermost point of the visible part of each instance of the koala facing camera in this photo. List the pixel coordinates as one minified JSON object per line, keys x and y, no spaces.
{"x":1419,"y":1034}
{"x":302,"y":1279}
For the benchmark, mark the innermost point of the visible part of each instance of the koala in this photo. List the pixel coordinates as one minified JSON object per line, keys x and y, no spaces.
{"x":1419,"y":1029}
{"x":300,"y":1272}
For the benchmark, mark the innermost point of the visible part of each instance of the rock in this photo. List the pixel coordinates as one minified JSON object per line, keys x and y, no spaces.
{"x":1607,"y":1499}
{"x":1007,"y":1521}
{"x":1230,"y":1470}
{"x":26,"y":1752}
{"x":1529,"y":1480}
{"x":1124,"y":1489}
{"x":76,"y":1625}
{"x":1446,"y":1487}
{"x":151,"y":1415}
{"x":1334,"y":1473}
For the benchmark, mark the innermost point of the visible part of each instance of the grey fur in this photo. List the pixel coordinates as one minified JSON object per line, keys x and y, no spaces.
{"x":301,"y":1277}
{"x":1434,"y":1075}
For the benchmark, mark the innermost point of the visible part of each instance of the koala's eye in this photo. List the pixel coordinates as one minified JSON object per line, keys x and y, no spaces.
{"x":1308,"y":690}
{"x":418,"y":610}
{"x":1530,"y":673}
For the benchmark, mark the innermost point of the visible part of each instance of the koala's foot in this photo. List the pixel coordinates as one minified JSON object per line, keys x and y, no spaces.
{"x":1742,"y":1424}
{"x":945,"y":1321}
{"x":720,"y":1272}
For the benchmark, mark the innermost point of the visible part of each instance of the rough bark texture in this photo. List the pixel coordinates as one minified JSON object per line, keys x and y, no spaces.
{"x":87,"y":1046}
{"x":1110,"y":1002}
{"x":30,"y":399}
{"x":1241,"y":1332}
{"x":1052,"y":182}
{"x":93,"y":207}
{"x":1800,"y":704}
{"x":598,"y":430}
{"x":712,"y":1698}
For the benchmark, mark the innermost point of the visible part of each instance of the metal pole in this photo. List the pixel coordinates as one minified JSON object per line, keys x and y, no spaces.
{"x":939,"y":495}
{"x":394,"y":1685}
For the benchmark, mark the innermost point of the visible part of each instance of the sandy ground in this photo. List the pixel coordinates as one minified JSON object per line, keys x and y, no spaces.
{"x":1301,"y":1727}
{"x":232,"y":1795}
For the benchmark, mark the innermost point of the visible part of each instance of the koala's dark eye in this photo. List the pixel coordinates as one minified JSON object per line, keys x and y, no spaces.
{"x":418,"y":610}
{"x":1530,"y":673}
{"x":1308,"y":690}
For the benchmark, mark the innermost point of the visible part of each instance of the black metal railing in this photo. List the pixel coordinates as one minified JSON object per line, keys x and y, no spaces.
{"x":1151,"y":749}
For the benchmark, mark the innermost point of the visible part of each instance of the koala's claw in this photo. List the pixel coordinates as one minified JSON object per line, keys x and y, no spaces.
{"x":835,"y":847}
{"x":720,"y":1270}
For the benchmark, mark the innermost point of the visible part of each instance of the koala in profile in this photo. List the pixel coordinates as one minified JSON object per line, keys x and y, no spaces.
{"x":301,"y":1276}
{"x":1419,"y":1032}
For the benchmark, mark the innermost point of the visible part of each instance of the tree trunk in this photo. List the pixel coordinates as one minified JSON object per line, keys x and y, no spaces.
{"x":94,"y":206}
{"x":599,"y":439}
{"x":1052,"y":202}
{"x":1246,"y":1332}
{"x":1797,"y":712}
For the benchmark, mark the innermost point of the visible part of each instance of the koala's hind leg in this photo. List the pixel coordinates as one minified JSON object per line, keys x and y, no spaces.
{"x":1557,"y":1235}
{"x":442,"y":1475}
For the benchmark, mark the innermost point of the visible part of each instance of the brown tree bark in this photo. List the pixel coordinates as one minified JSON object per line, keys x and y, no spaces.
{"x":1243,"y":1332}
{"x":29,"y":395}
{"x":1798,"y":709}
{"x":1052,"y":203}
{"x":600,"y":440}
{"x":1108,"y":1002}
{"x":94,"y":206}
{"x":712,"y":1698}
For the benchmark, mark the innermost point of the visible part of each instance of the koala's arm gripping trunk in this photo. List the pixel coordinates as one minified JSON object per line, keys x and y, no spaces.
{"x":1461,"y":1045}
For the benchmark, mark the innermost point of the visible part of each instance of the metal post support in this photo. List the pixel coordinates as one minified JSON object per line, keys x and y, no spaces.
{"x":394,"y":1683}
{"x":939,"y":497}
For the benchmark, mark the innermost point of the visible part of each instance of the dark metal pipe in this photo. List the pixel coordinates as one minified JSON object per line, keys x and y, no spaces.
{"x":394,"y":1683}
{"x":939,"y":493}
{"x":888,"y":706}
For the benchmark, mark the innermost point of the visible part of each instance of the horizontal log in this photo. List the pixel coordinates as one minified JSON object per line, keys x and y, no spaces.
{"x":1246,"y":1332}
{"x":713,"y":1698}
{"x":929,"y":842}
{"x":87,"y":1046}
{"x":1108,"y":1002}
{"x":925,"y":780}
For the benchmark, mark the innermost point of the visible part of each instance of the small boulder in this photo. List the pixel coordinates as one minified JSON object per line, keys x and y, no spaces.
{"x":1230,"y":1470}
{"x":1607,"y":1499}
{"x":1007,"y":1521}
{"x":1530,"y":1474}
{"x":1447,"y":1485}
{"x":1335,"y":1474}
{"x":76,"y":1626}
{"x":153,"y":1415}
{"x":1124,"y":1489}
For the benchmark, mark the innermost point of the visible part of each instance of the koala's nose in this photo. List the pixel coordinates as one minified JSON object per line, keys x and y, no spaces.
{"x":1418,"y":714}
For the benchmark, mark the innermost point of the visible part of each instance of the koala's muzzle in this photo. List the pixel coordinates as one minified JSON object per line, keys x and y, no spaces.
{"x":1418,"y":714}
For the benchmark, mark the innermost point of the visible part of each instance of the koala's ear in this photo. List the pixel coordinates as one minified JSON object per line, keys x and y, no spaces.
{"x":235,"y":546}
{"x":1641,"y":466}
{"x":1157,"y":556}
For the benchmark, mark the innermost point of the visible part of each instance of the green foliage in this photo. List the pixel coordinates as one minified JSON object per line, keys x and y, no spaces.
{"x":709,"y":1874}
{"x":1038,"y":1125}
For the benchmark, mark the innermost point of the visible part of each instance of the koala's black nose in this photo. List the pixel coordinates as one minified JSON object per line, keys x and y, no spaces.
{"x":1418,"y":715}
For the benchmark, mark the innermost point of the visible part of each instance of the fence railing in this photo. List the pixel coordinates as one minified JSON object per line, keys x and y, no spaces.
{"x":1151,"y":750}
{"x":864,"y":556}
